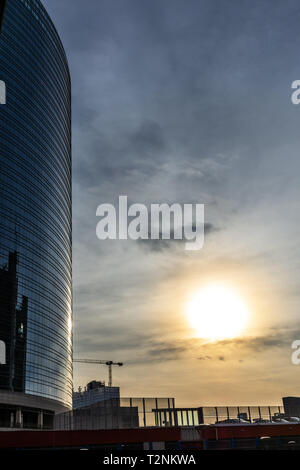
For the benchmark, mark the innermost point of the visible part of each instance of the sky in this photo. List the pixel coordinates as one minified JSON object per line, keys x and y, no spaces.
{"x":186,"y":101}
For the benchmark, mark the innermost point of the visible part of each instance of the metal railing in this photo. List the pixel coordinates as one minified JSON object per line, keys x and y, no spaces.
{"x":161,"y":412}
{"x":114,"y":414}
{"x":224,"y":415}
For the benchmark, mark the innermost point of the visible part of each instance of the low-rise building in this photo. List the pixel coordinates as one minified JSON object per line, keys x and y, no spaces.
{"x":93,"y":393}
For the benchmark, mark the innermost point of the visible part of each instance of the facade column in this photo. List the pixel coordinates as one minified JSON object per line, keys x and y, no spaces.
{"x":40,"y":420}
{"x":12,"y":419}
{"x":19,"y":418}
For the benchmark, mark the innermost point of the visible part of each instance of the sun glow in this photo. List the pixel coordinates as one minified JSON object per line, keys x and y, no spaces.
{"x":217,"y":312}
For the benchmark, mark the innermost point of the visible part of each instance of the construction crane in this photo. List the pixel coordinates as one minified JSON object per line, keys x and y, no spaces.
{"x":106,"y":363}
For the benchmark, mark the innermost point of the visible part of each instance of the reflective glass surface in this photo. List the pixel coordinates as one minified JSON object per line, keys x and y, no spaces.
{"x":35,"y":206}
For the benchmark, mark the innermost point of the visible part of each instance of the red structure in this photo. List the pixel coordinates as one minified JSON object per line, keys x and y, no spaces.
{"x":77,"y":439}
{"x":201,"y":438}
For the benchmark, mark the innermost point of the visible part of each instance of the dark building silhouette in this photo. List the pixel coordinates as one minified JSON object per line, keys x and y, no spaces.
{"x":20,"y":346}
{"x":2,"y":10}
{"x":291,"y":406}
{"x":35,"y":217}
{"x":13,"y":328}
{"x":106,"y":414}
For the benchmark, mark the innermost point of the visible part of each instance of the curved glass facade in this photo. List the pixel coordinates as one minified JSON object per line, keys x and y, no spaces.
{"x":35,"y":206}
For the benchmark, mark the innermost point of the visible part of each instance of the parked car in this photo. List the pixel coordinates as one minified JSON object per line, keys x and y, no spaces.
{"x":261,"y":421}
{"x":232,"y":421}
{"x":293,"y":419}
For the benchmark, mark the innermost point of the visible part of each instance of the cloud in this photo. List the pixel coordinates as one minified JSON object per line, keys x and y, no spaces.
{"x":162,"y":352}
{"x":204,"y":358}
{"x":274,"y":339}
{"x":278,"y":339}
{"x":110,"y":340}
{"x":161,"y":245}
{"x":148,"y":140}
{"x":210,"y":358}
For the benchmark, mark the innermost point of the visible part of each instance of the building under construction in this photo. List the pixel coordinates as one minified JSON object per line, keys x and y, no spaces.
{"x":93,"y":393}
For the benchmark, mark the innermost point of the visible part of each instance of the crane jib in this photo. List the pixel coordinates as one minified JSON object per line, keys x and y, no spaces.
{"x":103,"y":362}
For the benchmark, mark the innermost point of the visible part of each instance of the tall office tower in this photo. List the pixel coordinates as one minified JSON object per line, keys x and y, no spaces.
{"x":35,"y":218}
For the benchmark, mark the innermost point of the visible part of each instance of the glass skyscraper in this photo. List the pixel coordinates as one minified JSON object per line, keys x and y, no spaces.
{"x":35,"y":217}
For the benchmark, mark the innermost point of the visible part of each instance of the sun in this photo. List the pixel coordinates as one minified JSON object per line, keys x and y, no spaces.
{"x":217,"y":312}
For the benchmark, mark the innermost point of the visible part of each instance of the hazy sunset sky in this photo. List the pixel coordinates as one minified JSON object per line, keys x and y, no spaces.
{"x":186,"y":101}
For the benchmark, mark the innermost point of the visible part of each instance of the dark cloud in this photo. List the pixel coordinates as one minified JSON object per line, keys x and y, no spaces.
{"x":209,"y":358}
{"x":165,"y":351}
{"x":280,"y":338}
{"x":109,"y":339}
{"x":132,"y":153}
{"x":148,"y":140}
{"x":161,"y":245}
